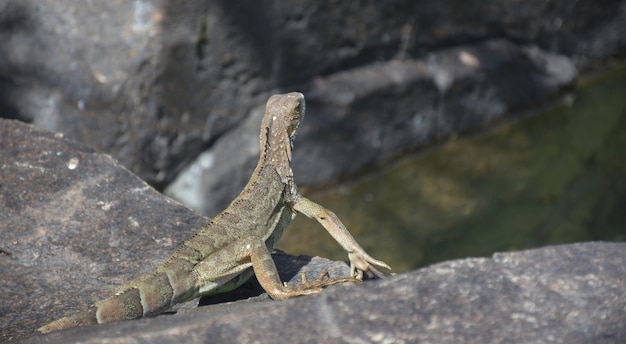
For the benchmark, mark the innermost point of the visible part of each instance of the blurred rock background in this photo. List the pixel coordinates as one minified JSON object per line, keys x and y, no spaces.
{"x":175,"y":90}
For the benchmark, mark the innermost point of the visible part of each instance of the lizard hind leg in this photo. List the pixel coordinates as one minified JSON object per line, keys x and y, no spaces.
{"x":252,"y":251}
{"x":267,"y":275}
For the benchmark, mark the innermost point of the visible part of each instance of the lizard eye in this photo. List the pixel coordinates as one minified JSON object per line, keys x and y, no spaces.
{"x":296,"y":111}
{"x":295,"y":119}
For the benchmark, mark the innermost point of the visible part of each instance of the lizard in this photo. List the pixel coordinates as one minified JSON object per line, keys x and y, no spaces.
{"x":236,"y":243}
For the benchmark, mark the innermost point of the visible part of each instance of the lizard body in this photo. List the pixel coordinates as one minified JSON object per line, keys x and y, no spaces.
{"x":236,"y":243}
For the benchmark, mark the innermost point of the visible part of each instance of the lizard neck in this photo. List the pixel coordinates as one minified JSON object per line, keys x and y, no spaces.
{"x":283,"y":116}
{"x":275,"y":146}
{"x":276,"y":154}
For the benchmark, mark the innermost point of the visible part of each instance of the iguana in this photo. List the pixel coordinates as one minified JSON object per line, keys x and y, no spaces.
{"x":236,"y":243}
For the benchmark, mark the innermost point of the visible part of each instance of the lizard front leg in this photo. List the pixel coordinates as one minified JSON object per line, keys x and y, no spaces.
{"x":239,"y":255}
{"x":360,"y":261}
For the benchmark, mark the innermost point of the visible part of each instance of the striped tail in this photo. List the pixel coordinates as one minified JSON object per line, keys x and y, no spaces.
{"x":147,"y":295}
{"x":80,"y":319}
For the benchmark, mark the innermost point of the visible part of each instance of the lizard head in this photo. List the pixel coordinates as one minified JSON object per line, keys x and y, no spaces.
{"x":285,"y":112}
{"x":283,"y":115}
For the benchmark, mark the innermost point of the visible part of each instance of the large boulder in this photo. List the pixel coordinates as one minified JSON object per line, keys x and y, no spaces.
{"x":75,"y":224}
{"x":563,"y":294}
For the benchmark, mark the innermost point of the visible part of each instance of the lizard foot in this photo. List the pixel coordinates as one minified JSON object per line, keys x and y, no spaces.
{"x":361,"y":262}
{"x":324,"y":279}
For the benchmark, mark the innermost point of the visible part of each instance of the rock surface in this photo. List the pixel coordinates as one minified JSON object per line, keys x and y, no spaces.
{"x":75,"y":224}
{"x":155,"y":83}
{"x":563,"y":294}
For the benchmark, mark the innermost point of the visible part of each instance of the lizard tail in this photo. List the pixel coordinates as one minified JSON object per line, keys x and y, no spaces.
{"x":123,"y":305}
{"x":147,"y":295}
{"x":81,"y":319}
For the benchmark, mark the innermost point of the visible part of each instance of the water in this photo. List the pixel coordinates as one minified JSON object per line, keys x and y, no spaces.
{"x":550,"y":179}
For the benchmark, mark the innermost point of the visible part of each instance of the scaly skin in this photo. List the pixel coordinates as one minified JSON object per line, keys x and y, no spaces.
{"x":237,"y":243}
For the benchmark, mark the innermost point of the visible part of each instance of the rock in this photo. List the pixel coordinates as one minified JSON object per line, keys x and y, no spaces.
{"x":75,"y":224}
{"x":366,"y":116}
{"x":147,"y":82}
{"x":154,"y":83}
{"x":570,"y":294}
{"x":385,"y":109}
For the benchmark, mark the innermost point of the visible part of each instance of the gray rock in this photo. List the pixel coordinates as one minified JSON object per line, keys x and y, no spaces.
{"x":149,"y":82}
{"x":154,"y":83}
{"x":562,"y":294}
{"x":75,"y":224}
{"x":366,"y":116}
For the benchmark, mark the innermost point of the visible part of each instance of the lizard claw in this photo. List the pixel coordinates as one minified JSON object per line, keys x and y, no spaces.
{"x":322,"y":281}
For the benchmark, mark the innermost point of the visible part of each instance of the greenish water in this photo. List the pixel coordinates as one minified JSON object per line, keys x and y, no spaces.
{"x":549,"y":179}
